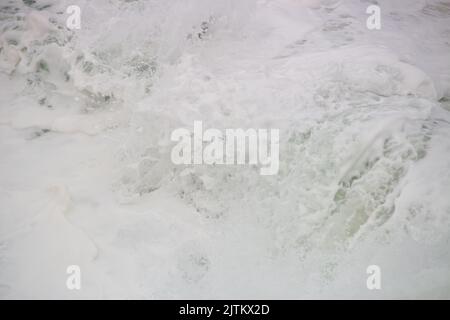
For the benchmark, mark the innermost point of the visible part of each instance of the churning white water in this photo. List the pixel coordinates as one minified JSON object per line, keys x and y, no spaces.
{"x":85,"y":171}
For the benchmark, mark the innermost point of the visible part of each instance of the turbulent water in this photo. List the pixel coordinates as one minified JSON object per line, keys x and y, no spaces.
{"x":86,"y":177}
